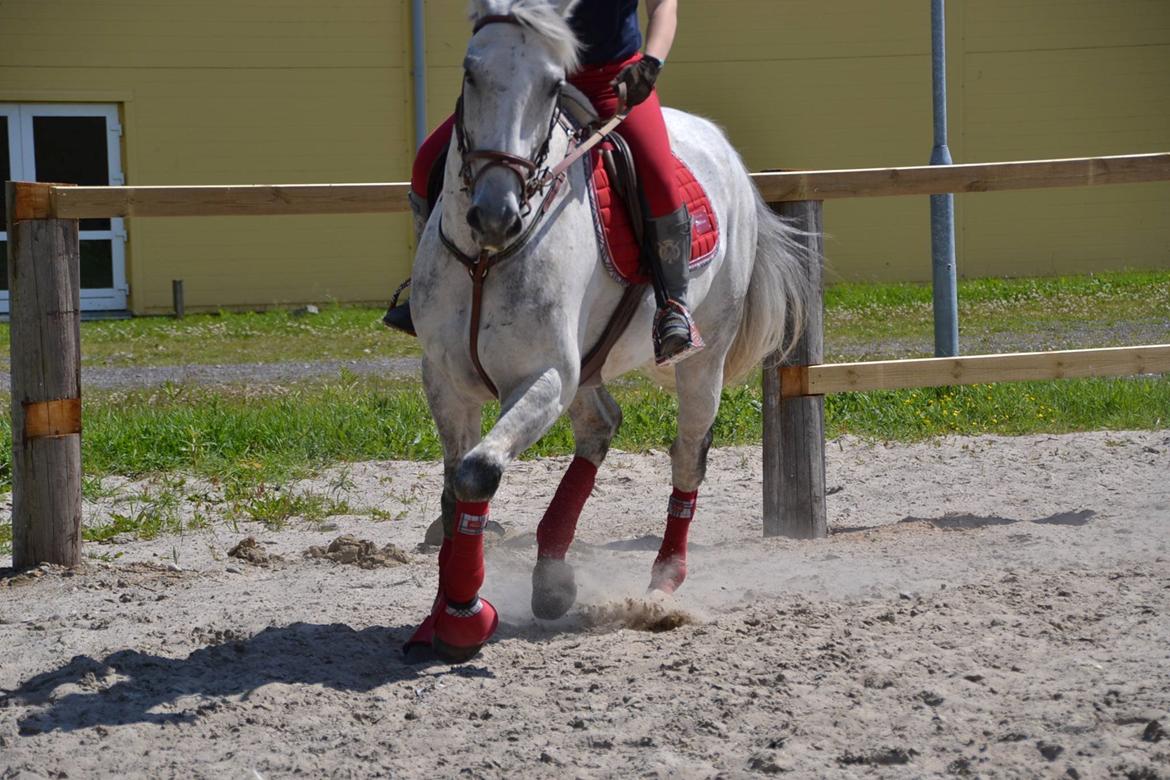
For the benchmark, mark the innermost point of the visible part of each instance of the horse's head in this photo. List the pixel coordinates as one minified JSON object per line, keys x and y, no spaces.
{"x":516,"y":63}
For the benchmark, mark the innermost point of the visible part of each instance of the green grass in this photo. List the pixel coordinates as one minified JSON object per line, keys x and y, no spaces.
{"x":274,"y":508}
{"x":248,"y":442}
{"x":866,"y":321}
{"x":337,"y":333}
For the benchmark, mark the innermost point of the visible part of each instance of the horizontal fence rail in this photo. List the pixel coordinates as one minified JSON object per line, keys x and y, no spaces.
{"x":972,"y":177}
{"x":294,"y":199}
{"x":829,"y":378}
{"x":43,"y":242}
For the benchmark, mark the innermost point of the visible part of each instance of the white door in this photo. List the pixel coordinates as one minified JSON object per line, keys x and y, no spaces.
{"x":76,"y":144}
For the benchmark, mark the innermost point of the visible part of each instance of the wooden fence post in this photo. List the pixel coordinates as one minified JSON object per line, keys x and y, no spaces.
{"x":794,"y":428}
{"x":44,"y":283}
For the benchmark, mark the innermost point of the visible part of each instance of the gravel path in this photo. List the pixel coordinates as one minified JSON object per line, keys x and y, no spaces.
{"x":1086,"y":336}
{"x":123,"y":378}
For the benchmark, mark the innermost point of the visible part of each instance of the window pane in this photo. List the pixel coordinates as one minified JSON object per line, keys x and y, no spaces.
{"x":97,"y":264}
{"x":72,"y":149}
{"x":5,"y":175}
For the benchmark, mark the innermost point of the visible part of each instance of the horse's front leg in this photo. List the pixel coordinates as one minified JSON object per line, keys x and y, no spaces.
{"x":457,"y":419}
{"x":596,"y":417}
{"x":529,"y":409}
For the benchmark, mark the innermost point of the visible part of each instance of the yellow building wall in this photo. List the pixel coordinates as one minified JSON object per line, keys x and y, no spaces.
{"x":847,"y":83}
{"x":220,"y":92}
{"x":304,"y":91}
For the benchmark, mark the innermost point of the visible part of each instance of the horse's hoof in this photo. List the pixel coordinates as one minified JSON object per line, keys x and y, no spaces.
{"x":462,"y":630}
{"x":668,"y":575}
{"x":554,"y":589}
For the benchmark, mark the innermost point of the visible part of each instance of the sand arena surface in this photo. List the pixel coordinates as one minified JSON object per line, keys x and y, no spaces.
{"x":996,"y":607}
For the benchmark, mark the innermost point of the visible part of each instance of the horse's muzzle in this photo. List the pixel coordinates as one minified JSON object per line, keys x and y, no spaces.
{"x":495,"y":213}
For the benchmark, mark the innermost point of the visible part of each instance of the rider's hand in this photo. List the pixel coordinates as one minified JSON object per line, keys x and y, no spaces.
{"x":639,"y":79}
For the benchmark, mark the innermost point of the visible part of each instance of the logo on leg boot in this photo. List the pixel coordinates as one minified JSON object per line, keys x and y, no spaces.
{"x":681,"y":508}
{"x":472,"y":525}
{"x":669,"y":250}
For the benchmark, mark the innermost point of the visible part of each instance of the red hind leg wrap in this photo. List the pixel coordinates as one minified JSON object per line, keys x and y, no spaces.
{"x":670,"y":567}
{"x":556,"y":529}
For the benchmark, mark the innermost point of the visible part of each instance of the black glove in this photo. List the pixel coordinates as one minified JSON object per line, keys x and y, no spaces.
{"x":639,"y":79}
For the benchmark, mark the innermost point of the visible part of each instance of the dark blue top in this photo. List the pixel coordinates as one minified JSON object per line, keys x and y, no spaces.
{"x":608,"y":30}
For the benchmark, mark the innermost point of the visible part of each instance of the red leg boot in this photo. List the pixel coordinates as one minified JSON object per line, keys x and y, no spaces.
{"x":465,"y":622}
{"x":670,"y":567}
{"x":424,"y":635}
{"x":554,"y":588}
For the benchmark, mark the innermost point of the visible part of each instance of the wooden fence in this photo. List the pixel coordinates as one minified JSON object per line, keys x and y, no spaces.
{"x":44,"y":284}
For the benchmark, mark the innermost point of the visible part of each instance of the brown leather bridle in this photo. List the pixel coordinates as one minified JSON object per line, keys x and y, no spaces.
{"x":531,"y":172}
{"x":534,"y":177}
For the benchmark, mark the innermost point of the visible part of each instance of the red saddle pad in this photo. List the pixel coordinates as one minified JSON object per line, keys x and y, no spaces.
{"x":619,"y":247}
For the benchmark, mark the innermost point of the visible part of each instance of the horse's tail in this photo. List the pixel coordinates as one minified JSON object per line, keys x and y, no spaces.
{"x":779,"y":291}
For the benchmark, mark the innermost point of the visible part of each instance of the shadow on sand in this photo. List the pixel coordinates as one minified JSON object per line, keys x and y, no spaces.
{"x":128,"y":685}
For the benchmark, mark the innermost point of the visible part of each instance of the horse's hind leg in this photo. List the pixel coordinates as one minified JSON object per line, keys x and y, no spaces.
{"x":596,"y":417}
{"x":699,"y":381}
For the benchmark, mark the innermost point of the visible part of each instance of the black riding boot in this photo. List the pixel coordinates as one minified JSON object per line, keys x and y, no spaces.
{"x":669,"y":240}
{"x":398,"y":315}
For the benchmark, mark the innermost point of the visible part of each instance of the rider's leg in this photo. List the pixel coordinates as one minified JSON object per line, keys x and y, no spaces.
{"x":668,"y":230}
{"x":398,"y":315}
{"x":668,"y":227}
{"x":596,"y":417}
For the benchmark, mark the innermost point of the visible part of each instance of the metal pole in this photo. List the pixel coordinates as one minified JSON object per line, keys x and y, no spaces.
{"x":942,"y":207}
{"x":418,"y":43}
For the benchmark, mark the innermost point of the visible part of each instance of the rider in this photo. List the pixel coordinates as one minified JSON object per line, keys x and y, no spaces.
{"x":610,"y":38}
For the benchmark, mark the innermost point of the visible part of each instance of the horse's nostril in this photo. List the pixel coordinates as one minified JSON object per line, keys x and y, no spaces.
{"x":473,"y":219}
{"x":514,"y":228}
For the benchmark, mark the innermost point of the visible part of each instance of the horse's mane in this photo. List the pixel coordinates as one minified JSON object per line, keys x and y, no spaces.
{"x":547,"y":18}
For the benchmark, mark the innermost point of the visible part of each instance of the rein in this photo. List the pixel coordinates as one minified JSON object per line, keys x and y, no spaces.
{"x":534,"y":178}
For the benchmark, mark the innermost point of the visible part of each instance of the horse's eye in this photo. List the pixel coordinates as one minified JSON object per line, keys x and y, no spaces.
{"x":469,"y":78}
{"x":556,"y":87}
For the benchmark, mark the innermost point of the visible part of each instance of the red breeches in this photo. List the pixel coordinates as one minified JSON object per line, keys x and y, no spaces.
{"x":644,"y":130}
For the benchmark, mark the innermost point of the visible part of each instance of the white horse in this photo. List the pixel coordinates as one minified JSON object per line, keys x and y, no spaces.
{"x":547,"y":301}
